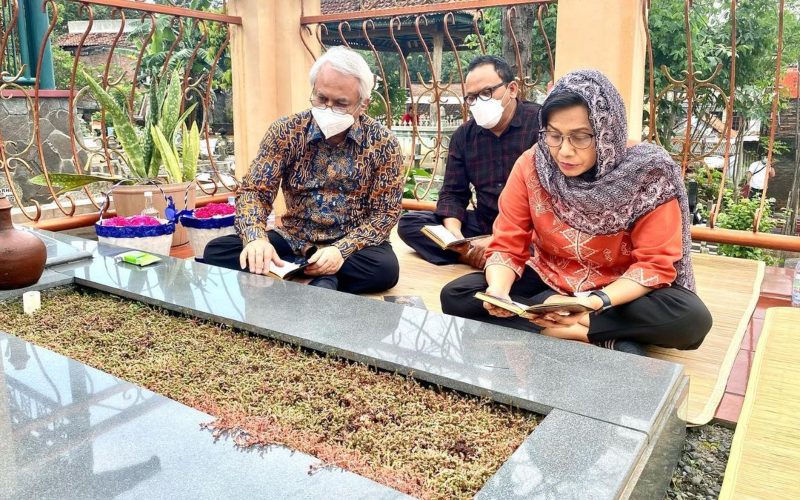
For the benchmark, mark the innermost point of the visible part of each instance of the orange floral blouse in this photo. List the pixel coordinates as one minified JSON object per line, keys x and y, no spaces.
{"x":569,"y":260}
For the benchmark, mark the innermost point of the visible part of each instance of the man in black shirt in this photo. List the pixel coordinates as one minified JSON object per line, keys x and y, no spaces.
{"x":482,"y":153}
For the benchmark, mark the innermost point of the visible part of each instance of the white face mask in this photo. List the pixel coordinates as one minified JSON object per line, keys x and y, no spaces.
{"x":331,"y":123}
{"x":487,"y":114}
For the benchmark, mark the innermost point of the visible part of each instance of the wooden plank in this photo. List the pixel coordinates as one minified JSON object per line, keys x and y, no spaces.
{"x":730,"y":288}
{"x":765,"y":455}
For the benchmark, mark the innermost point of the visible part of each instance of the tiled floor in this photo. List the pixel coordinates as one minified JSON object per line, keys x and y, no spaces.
{"x":775,"y":292}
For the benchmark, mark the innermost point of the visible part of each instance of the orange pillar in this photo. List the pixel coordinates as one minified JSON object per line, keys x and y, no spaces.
{"x":610,"y":36}
{"x":270,"y":68}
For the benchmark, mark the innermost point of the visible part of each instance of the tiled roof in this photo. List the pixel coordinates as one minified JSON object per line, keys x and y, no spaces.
{"x":339,"y":6}
{"x":93,"y":40}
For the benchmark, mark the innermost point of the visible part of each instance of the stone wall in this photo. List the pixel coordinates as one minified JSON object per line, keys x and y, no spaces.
{"x":16,"y":127}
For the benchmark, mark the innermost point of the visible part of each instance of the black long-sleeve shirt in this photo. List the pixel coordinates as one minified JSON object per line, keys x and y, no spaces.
{"x":478,"y":157}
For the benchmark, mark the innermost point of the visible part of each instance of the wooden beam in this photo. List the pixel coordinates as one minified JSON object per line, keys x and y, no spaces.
{"x":716,"y":235}
{"x":166,"y":9}
{"x":747,"y":238}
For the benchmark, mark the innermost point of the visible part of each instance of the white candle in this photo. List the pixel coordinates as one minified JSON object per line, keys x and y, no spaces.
{"x":31,"y":302}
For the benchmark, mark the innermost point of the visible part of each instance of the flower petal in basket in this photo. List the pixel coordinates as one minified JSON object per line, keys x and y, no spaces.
{"x":155,"y":239}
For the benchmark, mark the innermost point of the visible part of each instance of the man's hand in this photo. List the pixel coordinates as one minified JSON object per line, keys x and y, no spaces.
{"x":559,"y":320}
{"x":257,"y":255}
{"x":474,"y":253}
{"x":325,"y":262}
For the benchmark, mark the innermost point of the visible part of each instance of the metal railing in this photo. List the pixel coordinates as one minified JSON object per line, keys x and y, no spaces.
{"x":410,"y":48}
{"x":715,"y":123}
{"x":695,"y":116}
{"x":127,"y":64}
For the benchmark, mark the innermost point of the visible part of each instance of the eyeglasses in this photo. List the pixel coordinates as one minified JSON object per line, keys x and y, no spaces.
{"x":321,"y":102}
{"x":579,"y":140}
{"x":483,"y":95}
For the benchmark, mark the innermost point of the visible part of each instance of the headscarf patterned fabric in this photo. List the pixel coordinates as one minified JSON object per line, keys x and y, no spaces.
{"x":628,"y":182}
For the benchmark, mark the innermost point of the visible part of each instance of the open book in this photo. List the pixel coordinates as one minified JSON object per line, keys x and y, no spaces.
{"x":288,"y":271}
{"x":444,"y":238}
{"x":527,"y":311}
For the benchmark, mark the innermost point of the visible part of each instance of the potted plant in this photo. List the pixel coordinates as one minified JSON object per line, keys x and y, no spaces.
{"x":144,"y":152}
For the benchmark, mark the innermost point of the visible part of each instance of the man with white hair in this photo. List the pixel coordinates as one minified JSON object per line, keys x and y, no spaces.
{"x":340,"y":171}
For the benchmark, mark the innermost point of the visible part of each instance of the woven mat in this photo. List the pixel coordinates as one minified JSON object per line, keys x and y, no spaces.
{"x":765,"y":455}
{"x":729,"y":287}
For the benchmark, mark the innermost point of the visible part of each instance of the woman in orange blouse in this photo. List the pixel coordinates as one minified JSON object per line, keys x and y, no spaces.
{"x":585,"y":219}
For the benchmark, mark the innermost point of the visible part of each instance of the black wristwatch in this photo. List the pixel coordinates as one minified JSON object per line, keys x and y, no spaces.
{"x":604,"y":297}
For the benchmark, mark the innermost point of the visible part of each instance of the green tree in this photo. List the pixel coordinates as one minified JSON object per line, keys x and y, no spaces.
{"x":756,"y":47}
{"x":533,"y":49}
{"x":62,"y":71}
{"x":397,"y":98}
{"x":741,"y":215}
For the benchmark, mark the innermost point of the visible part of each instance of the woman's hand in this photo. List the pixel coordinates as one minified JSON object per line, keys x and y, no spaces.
{"x":561,"y":319}
{"x":494,"y":310}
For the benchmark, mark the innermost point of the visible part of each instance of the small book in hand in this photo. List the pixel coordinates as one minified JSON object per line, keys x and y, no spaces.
{"x":288,"y":271}
{"x":444,"y":238}
{"x":525,"y":311}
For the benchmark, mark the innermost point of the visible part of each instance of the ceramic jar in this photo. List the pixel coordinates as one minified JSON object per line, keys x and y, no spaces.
{"x":22,"y":255}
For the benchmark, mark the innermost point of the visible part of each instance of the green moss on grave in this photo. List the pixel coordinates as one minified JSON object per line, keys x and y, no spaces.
{"x":425,"y":441}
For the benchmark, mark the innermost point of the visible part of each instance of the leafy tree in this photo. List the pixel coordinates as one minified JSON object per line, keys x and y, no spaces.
{"x":62,"y":71}
{"x":708,"y":181}
{"x":756,"y":46}
{"x":397,"y":98}
{"x":533,"y":49}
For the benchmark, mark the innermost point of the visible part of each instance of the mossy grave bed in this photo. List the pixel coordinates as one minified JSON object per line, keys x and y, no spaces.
{"x":426,"y":441}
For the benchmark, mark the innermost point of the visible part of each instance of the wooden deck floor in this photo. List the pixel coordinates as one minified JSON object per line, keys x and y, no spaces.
{"x":765,"y":456}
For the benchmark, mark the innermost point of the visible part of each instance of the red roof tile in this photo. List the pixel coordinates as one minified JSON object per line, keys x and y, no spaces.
{"x":93,"y":40}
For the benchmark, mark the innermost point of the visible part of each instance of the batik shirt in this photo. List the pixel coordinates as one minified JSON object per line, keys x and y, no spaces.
{"x":347,"y":195}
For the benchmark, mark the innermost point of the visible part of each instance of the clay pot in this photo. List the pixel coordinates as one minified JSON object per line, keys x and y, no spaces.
{"x":129,"y":200}
{"x":22,"y":255}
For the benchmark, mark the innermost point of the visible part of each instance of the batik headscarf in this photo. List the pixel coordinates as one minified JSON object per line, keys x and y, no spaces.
{"x":626,"y":183}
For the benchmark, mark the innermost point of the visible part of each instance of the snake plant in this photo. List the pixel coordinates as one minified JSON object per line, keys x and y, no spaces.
{"x":141,"y":151}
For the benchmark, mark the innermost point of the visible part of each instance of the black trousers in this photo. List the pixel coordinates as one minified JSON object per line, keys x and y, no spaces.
{"x":672,"y":317}
{"x":369,"y":270}
{"x":410,"y":231}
